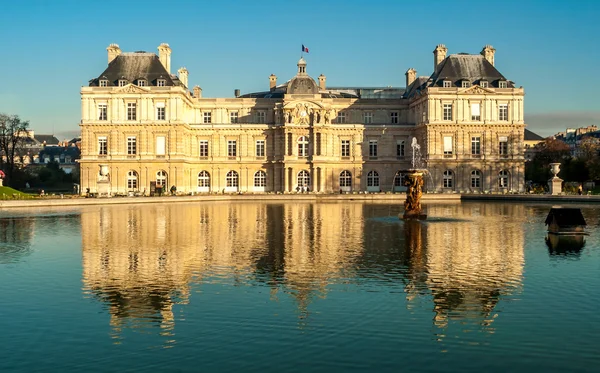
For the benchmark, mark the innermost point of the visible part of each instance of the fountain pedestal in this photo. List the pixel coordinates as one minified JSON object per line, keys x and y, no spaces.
{"x":414,"y":191}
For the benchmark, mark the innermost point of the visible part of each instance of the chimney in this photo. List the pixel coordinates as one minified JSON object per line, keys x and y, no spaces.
{"x":183,"y":76}
{"x":113,"y":52}
{"x":272,"y":81}
{"x":439,"y":54}
{"x":488,"y":53}
{"x":164,"y":55}
{"x":411,"y":76}
{"x":236,"y":92}
{"x":197,"y":92}
{"x":322,"y":80}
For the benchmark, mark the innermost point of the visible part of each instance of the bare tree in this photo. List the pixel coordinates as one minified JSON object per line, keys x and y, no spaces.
{"x":13,"y":134}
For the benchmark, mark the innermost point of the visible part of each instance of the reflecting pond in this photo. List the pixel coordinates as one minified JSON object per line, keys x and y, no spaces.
{"x":296,"y":287}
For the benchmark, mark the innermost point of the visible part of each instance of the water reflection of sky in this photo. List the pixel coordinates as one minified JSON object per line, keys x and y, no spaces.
{"x":217,"y":270}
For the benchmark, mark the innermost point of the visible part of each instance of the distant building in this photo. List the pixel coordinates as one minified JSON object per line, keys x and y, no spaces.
{"x":531,"y":139}
{"x":142,"y":124}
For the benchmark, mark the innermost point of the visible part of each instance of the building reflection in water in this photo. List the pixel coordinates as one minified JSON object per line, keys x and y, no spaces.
{"x":142,"y":260}
{"x":471,"y":264}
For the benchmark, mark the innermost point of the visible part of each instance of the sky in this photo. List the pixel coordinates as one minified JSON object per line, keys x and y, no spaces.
{"x":53,"y":48}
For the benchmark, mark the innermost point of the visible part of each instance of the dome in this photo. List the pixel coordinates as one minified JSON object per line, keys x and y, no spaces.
{"x":302,"y":84}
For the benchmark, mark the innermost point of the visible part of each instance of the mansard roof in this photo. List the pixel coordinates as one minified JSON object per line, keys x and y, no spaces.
{"x":471,"y":67}
{"x":531,"y":136}
{"x":47,"y":139}
{"x":136,"y":66}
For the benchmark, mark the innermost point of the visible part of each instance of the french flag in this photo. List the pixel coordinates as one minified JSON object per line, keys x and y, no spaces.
{"x":304,"y":49}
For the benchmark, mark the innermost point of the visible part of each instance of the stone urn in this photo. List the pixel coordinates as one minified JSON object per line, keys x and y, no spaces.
{"x":555,"y":183}
{"x":555,"y":168}
{"x":104,"y":170}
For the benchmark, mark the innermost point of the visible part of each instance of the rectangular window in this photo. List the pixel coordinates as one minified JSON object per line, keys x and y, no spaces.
{"x":373,"y":148}
{"x":466,"y":84}
{"x":260,"y":117}
{"x":131,"y":145}
{"x":318,"y":143}
{"x":503,"y":146}
{"x":475,"y":112}
{"x":447,"y":84}
{"x":368,"y":117}
{"x":502,"y":84}
{"x":394,"y":117}
{"x":233,"y":117}
{"x":161,"y":145}
{"x":122,"y":83}
{"x":131,"y":111}
{"x":231,"y":148}
{"x":345,"y":148}
{"x":104,"y":83}
{"x":207,"y":117}
{"x":503,"y":112}
{"x":447,"y":112}
{"x":447,"y":146}
{"x":260,"y":148}
{"x":203,"y":148}
{"x":400,"y":149}
{"x":160,"y":111}
{"x":102,"y":111}
{"x":141,"y":83}
{"x":483,"y":84}
{"x":475,"y":145}
{"x":341,"y":117}
{"x":102,"y":145}
{"x":161,"y":83}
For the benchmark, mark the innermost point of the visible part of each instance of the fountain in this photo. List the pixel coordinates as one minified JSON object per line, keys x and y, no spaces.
{"x":413,"y":180}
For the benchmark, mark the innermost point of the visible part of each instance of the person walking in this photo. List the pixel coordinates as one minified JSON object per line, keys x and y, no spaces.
{"x":580,"y":189}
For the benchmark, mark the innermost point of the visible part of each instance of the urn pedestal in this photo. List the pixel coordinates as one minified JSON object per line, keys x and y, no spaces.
{"x":555,"y":183}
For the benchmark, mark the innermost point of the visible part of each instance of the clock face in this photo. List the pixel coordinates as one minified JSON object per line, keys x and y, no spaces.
{"x":303,"y":113}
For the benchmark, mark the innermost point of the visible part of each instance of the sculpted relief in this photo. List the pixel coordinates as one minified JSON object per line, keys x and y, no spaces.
{"x":304,"y":113}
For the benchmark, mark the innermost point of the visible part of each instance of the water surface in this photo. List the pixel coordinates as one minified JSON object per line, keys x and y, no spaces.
{"x":296,"y":287}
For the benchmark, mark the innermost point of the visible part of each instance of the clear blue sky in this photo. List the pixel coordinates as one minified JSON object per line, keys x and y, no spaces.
{"x":52,"y":48}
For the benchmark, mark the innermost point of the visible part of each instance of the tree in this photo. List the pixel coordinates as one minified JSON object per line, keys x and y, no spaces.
{"x":13,"y":133}
{"x":548,"y":151}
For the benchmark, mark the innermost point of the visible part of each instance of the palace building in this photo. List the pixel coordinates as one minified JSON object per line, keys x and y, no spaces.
{"x":142,"y":127}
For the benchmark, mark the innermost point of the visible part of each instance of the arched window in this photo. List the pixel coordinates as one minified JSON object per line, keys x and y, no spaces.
{"x":260,"y":179}
{"x":161,"y":178}
{"x":204,"y":179}
{"x":303,"y":179}
{"x":503,"y":179}
{"x":132,"y":180}
{"x":373,"y":179}
{"x":475,"y":179}
{"x":448,"y":179}
{"x":346,"y":181}
{"x":232,"y":179}
{"x":303,"y":146}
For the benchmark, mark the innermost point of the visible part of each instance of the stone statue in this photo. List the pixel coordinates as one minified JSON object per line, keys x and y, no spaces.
{"x":327,"y":117}
{"x":287,"y":117}
{"x":318,"y":116}
{"x":277,"y":113}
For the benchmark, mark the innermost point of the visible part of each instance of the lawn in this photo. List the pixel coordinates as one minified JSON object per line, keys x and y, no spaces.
{"x":10,"y":193}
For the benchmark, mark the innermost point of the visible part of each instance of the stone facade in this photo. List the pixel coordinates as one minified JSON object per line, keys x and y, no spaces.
{"x":143,"y":125}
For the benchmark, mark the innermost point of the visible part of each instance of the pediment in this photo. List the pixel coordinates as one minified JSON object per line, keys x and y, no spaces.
{"x":130,"y":88}
{"x":475,"y":90}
